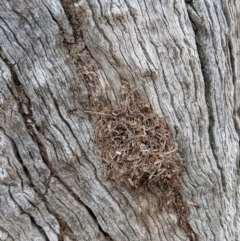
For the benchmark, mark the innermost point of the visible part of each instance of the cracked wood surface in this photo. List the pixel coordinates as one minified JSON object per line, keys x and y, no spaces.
{"x":181,"y":57}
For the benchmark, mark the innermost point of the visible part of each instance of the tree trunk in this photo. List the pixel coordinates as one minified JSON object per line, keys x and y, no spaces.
{"x":180,"y":57}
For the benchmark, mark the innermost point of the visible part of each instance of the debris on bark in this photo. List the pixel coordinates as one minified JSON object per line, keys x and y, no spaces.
{"x":137,"y":145}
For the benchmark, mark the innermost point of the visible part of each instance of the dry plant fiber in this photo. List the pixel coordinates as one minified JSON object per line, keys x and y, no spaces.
{"x":137,"y":145}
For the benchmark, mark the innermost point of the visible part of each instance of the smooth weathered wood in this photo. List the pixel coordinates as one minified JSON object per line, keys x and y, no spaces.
{"x":181,"y":57}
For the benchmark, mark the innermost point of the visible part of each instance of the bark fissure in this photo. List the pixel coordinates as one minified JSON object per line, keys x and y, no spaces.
{"x":40,"y":229}
{"x":18,"y":156}
{"x":22,"y":95}
{"x":198,"y":26}
{"x":21,"y":98}
{"x":214,"y":40}
{"x":11,"y":31}
{"x":5,"y":234}
{"x":236,"y":116}
{"x":64,"y":34}
{"x":64,"y":228}
{"x":76,"y":197}
{"x":16,"y":203}
{"x":74,"y":17}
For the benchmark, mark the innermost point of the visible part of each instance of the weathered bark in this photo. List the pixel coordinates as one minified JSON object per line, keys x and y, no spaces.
{"x":181,"y":57}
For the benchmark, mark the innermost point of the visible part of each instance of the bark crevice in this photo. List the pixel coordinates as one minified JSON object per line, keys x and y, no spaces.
{"x":40,"y":229}
{"x":91,"y":213}
{"x":24,"y":104}
{"x":200,"y":29}
{"x":22,"y":98}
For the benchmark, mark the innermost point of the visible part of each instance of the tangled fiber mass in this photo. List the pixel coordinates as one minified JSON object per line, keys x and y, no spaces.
{"x":137,"y":145}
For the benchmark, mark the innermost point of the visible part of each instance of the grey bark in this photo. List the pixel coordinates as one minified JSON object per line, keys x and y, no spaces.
{"x":181,"y":57}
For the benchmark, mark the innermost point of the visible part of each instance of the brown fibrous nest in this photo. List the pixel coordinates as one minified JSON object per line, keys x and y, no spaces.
{"x":137,"y":145}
